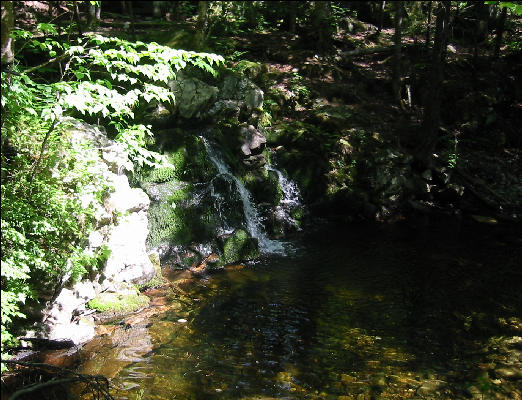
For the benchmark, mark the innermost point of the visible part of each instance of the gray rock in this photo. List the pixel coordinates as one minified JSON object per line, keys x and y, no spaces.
{"x":253,"y":140}
{"x":255,"y":161}
{"x":430,"y":386}
{"x":84,"y":290}
{"x":128,"y":261}
{"x":58,"y":318}
{"x":242,"y":89}
{"x":509,"y":372}
{"x":95,"y":240}
{"x":116,"y":158}
{"x":193,"y":96}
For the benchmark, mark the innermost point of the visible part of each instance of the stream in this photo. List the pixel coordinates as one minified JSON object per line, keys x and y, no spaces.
{"x":423,"y":310}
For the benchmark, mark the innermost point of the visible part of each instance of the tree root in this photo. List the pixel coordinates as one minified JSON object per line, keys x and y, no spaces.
{"x":97,"y":385}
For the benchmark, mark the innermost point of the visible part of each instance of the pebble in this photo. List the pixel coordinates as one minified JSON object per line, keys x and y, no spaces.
{"x":510,"y":372}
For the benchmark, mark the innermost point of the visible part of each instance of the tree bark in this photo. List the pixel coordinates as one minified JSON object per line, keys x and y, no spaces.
{"x":320,"y":23}
{"x":7,"y":27}
{"x":500,"y":31}
{"x":202,"y":23}
{"x":381,"y":16}
{"x":431,"y":121}
{"x":77,"y":18}
{"x":396,"y":72}
{"x":94,"y":14}
{"x":292,"y":16}
{"x":428,"y":32}
{"x":130,"y":7}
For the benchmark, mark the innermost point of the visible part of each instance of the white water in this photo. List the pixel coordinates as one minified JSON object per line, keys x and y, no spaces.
{"x":291,"y":195}
{"x":252,"y":219}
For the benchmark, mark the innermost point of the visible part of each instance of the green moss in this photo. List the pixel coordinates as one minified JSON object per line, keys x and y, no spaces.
{"x":180,"y":194}
{"x":253,"y":70}
{"x":170,"y":222}
{"x":239,"y":247}
{"x":118,"y":302}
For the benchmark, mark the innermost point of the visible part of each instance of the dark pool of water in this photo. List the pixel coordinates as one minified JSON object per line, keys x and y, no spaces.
{"x":389,"y":311}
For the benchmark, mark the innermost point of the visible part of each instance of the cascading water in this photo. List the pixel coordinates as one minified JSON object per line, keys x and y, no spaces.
{"x":252,"y":218}
{"x":291,"y":199}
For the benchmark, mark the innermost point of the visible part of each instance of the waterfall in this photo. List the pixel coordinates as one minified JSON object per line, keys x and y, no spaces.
{"x":252,"y":218}
{"x":291,"y":199}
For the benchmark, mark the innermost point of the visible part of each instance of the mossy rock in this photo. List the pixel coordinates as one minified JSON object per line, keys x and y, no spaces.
{"x":119,"y":302}
{"x":256,"y":71}
{"x":187,"y":155}
{"x":158,"y":279}
{"x":169,"y":222}
{"x":264,"y":187}
{"x":239,"y":247}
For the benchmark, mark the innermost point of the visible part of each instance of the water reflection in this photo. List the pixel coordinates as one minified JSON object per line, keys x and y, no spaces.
{"x":387,"y":312}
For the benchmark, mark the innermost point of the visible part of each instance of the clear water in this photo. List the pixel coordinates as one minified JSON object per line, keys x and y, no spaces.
{"x":364,"y":312}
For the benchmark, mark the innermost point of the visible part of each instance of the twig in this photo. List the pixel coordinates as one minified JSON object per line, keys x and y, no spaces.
{"x":52,"y":60}
{"x":39,"y":386}
{"x":94,"y":382}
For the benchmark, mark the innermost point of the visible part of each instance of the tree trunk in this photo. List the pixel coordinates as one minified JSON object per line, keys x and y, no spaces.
{"x":428,"y":38}
{"x":500,"y":31}
{"x":292,"y":16}
{"x":250,"y":14}
{"x":77,"y":18}
{"x":396,"y":73}
{"x":320,"y":23}
{"x":381,"y":16}
{"x":7,"y":27}
{"x":202,"y":23}
{"x":94,"y":14}
{"x":157,"y":8}
{"x":130,"y":7}
{"x":431,"y":121}
{"x":480,"y":33}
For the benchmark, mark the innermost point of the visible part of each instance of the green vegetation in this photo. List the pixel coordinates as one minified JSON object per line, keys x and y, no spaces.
{"x":49,"y":180}
{"x":239,"y":247}
{"x":118,"y":302}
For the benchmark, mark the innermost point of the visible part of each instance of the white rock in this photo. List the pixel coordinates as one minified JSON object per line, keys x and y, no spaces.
{"x":84,"y":290}
{"x":128,"y":261}
{"x":80,"y":332}
{"x":124,"y":198}
{"x":115,"y":156}
{"x":95,"y":240}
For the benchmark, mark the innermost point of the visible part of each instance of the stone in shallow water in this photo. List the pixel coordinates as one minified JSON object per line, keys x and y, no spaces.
{"x":510,"y":372}
{"x":430,"y":386}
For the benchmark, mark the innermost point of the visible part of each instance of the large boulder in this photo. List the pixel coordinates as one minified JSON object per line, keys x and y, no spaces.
{"x":193,"y":96}
{"x":122,"y":228}
{"x":253,"y":140}
{"x":60,"y":319}
{"x":238,"y":98}
{"x":129,"y":261}
{"x":239,"y":247}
